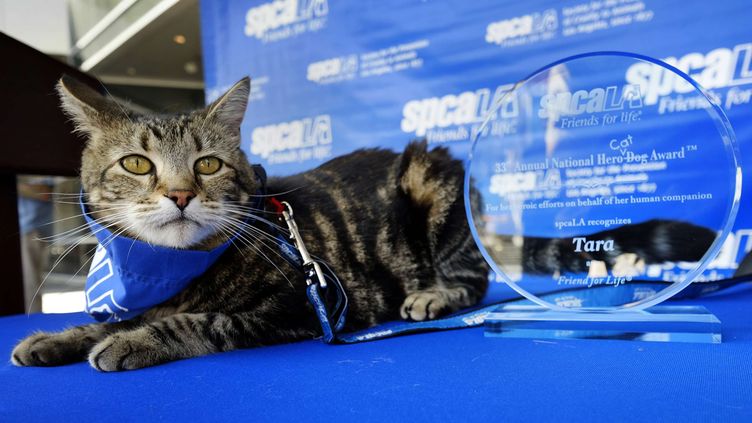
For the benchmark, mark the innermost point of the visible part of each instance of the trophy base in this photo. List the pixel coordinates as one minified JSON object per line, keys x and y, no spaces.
{"x":657,"y":324}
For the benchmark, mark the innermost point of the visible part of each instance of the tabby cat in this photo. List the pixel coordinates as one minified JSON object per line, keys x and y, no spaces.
{"x":392,"y":225}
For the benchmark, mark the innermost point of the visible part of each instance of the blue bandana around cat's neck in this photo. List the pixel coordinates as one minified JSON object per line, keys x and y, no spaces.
{"x":128,"y":276}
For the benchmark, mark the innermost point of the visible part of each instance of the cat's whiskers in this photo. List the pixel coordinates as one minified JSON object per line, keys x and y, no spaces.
{"x":137,"y":237}
{"x":61,"y":194}
{"x":223,"y":232}
{"x":77,"y":201}
{"x":227,"y":229}
{"x":259,"y":232}
{"x":117,"y":233}
{"x":247,"y":208}
{"x":242,"y":227}
{"x":256,"y":231}
{"x":273,"y":194}
{"x":66,"y":195}
{"x":104,"y":225}
{"x":72,"y":233}
{"x":238,"y":232}
{"x":230,"y":236}
{"x":246,"y":226}
{"x":79,"y":215}
{"x":246,"y":214}
{"x":261,"y":236}
{"x":69,"y":249}
{"x":77,"y":233}
{"x":90,"y":254}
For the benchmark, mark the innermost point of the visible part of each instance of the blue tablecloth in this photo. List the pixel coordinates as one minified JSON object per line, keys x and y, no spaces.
{"x":445,"y":376}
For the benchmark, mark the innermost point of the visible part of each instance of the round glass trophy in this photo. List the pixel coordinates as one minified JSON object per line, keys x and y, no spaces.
{"x":603,"y":183}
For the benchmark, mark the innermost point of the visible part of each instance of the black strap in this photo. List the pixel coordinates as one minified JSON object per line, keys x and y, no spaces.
{"x":260,"y":173}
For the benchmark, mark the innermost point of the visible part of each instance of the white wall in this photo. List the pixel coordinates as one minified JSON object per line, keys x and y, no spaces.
{"x":42,"y":24}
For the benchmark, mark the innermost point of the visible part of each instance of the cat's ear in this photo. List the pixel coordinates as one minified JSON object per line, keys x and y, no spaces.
{"x":229,"y":108}
{"x":89,"y":110}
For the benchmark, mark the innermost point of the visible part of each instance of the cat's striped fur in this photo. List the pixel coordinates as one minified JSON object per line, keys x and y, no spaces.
{"x":392,"y":225}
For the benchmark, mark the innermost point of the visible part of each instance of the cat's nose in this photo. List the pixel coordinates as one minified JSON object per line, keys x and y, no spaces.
{"x":181,"y":197}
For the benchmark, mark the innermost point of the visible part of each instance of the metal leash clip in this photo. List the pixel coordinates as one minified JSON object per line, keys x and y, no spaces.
{"x":311,"y":269}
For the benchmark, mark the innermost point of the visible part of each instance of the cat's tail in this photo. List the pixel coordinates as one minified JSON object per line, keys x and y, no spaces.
{"x":433,"y":182}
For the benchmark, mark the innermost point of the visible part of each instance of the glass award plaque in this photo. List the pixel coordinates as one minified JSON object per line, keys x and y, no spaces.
{"x":599,"y":187}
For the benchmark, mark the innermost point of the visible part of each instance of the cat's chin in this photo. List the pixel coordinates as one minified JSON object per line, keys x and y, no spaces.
{"x":179,"y":233}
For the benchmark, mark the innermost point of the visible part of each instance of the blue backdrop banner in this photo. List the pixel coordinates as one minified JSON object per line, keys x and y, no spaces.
{"x":330,"y":77}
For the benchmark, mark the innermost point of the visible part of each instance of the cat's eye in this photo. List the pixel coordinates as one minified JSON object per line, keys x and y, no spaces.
{"x":208,"y":165}
{"x":139,"y":165}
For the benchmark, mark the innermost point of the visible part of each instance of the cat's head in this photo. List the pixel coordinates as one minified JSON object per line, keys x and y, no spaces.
{"x":179,"y":181}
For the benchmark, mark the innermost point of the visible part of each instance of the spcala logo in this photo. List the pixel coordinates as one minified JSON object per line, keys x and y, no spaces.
{"x":279,"y":13}
{"x":419,"y":116}
{"x":300,"y":133}
{"x":611,"y":98}
{"x":475,"y":319}
{"x":372,"y":335}
{"x":332,"y":68}
{"x":569,"y":301}
{"x":501,"y":31}
{"x":718,"y":68}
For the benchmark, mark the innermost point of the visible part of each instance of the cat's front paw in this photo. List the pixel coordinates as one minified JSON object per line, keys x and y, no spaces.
{"x":423,"y":305}
{"x":628,"y":265}
{"x":126,"y":351}
{"x":49,"y":349}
